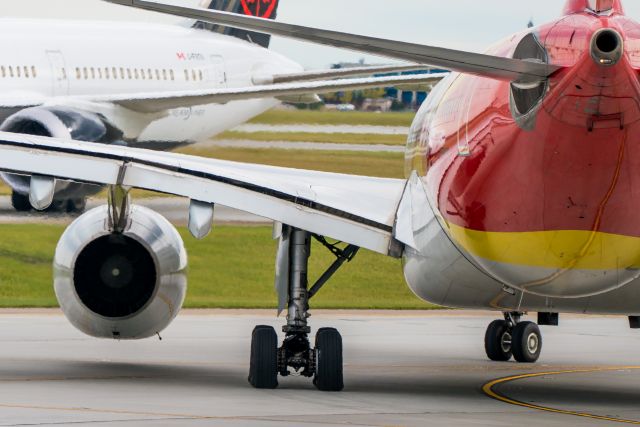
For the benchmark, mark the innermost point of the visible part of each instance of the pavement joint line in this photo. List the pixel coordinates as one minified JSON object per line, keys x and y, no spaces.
{"x":489,"y":390}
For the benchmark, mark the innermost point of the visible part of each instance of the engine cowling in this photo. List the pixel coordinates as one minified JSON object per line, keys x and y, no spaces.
{"x":59,"y":122}
{"x":127,"y":285}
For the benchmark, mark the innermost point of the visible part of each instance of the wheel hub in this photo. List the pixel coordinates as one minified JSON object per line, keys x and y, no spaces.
{"x":505,"y":342}
{"x":533,"y":343}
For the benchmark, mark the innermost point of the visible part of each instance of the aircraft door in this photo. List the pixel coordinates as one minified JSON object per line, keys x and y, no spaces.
{"x":59,"y":75}
{"x":216,"y":72}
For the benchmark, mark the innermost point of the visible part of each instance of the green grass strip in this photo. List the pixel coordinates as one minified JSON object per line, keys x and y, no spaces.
{"x":284,"y":117}
{"x":327,"y":138}
{"x":233,"y":268}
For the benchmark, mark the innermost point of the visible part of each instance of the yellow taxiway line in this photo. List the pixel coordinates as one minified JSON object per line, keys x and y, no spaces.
{"x":489,"y":390}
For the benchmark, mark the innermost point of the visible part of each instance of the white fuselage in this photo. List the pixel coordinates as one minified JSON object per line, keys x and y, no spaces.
{"x":59,"y":60}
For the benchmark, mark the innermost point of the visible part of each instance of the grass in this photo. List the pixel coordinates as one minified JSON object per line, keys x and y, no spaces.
{"x":327,"y":138}
{"x":290,"y":117}
{"x":233,"y":268}
{"x":385,"y":165}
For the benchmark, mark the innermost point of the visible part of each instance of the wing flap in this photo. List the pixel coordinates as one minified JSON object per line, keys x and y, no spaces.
{"x":354,"y":209}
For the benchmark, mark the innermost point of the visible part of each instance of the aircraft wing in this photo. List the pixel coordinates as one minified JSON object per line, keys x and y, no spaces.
{"x":354,"y":209}
{"x":338,"y":73}
{"x":156,"y":102}
{"x":466,"y":62}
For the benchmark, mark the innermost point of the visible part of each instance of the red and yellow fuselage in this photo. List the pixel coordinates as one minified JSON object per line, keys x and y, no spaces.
{"x":545,"y":200}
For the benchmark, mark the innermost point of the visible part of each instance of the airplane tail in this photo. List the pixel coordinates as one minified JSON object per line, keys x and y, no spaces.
{"x":267,"y":9}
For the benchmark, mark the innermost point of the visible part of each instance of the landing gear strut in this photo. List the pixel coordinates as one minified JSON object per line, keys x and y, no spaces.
{"x":323,"y":362}
{"x":511,"y":337}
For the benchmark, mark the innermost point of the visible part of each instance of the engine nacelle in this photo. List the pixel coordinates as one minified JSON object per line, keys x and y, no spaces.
{"x":127,"y":285}
{"x":59,"y":122}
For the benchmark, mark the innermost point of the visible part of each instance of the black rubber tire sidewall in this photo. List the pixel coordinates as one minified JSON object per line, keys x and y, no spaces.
{"x":493,"y":341}
{"x":329,"y":374}
{"x":263,"y":369}
{"x":519,"y":346}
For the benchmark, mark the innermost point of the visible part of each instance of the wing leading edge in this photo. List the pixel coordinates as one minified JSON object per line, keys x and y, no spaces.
{"x":466,"y":62}
{"x":354,"y":209}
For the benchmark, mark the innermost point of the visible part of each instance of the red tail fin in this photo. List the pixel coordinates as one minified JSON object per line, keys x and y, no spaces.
{"x":597,"y":6}
{"x":267,"y":9}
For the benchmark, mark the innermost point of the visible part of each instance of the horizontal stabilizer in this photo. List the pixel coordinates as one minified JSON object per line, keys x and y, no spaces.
{"x":466,"y":62}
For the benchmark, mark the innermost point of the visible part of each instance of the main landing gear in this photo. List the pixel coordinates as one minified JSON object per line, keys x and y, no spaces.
{"x":512,"y":337}
{"x":323,"y":362}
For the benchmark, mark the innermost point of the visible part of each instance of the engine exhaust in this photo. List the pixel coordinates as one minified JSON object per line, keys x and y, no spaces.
{"x":607,"y":47}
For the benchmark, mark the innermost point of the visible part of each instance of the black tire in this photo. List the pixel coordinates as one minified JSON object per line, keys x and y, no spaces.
{"x":263,"y":369}
{"x":20,"y":202}
{"x":329,"y":376}
{"x":527,"y":342}
{"x":497,"y":341}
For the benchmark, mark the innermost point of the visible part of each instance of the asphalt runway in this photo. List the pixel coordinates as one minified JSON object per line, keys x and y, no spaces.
{"x":401,"y":369}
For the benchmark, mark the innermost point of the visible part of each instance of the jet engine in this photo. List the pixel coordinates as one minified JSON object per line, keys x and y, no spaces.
{"x":126,"y":285}
{"x":58,"y":122}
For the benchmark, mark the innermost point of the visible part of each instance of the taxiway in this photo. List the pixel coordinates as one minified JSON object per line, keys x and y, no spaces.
{"x":401,"y":369}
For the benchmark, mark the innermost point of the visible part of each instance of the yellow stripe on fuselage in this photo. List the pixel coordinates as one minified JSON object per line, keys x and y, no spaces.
{"x":563,"y":249}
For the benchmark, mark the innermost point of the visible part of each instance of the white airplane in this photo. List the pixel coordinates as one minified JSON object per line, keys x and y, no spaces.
{"x":85,"y":81}
{"x":520,"y":195}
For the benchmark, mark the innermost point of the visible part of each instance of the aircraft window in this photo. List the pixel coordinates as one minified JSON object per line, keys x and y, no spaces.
{"x":186,"y":75}
{"x":114,"y":73}
{"x":164,"y":74}
{"x":85,"y":72}
{"x":18,"y":72}
{"x":64,"y":72}
{"x":107,"y":75}
{"x":193,"y":74}
{"x":149,"y":74}
{"x":142,"y":75}
{"x":93,"y":73}
{"x":122,"y":73}
{"x":4,"y":71}
{"x":158,"y":74}
{"x":35,"y":74}
{"x":135,"y":73}
{"x":78,"y":73}
{"x":100,"y":73}
{"x":10,"y":71}
{"x":172,"y":74}
{"x":200,"y":76}
{"x":26,"y":71}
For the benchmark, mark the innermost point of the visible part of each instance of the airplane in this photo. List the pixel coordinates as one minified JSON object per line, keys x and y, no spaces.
{"x":520,"y":196}
{"x":74,"y":79}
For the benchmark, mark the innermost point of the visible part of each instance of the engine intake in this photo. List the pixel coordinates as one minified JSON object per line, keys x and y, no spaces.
{"x":127,"y":285}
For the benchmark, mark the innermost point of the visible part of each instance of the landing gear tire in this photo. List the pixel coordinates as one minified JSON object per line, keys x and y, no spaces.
{"x":497,"y":341}
{"x":527,"y":342}
{"x":263,"y":370}
{"x":329,"y":376}
{"x":20,"y":202}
